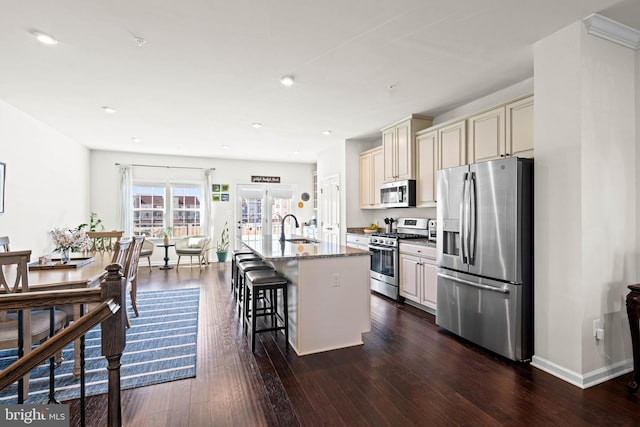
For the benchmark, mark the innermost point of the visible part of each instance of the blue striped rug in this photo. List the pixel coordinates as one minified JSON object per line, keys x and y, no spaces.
{"x":161,"y":347}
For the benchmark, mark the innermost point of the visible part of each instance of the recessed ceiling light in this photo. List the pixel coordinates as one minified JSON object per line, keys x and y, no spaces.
{"x":287,"y":80}
{"x":108,"y":110}
{"x":326,"y":132}
{"x":44,"y":38}
{"x":296,"y":152}
{"x":134,"y":139}
{"x":256,"y":125}
{"x":226,"y":147}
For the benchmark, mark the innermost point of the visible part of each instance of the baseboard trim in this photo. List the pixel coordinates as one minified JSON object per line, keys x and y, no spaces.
{"x":579,"y":380}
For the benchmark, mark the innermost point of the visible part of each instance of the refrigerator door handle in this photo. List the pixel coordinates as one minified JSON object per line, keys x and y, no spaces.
{"x":463,"y":212}
{"x":475,"y":285}
{"x":471,"y":249}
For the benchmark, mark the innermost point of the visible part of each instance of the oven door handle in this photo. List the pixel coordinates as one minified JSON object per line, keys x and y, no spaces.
{"x":381,"y":248}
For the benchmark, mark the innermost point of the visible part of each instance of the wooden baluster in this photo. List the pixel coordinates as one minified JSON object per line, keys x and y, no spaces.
{"x":114,"y":339}
{"x":52,"y":360}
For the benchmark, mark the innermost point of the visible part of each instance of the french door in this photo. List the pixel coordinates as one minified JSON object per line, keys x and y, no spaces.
{"x":261,"y":207}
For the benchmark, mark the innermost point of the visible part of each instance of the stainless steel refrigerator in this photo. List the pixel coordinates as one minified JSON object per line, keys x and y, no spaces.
{"x":485,"y":255}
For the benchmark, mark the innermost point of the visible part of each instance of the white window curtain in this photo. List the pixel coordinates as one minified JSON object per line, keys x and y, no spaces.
{"x":125,"y":207}
{"x":207,"y":219}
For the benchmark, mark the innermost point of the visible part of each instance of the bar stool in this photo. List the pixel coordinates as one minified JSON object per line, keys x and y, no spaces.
{"x":262,"y":281}
{"x":234,"y":272}
{"x":233,"y":263}
{"x":243,"y":268}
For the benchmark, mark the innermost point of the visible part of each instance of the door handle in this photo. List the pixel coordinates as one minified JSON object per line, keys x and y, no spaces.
{"x":475,"y":285}
{"x":462,"y":234}
{"x":472,"y":218}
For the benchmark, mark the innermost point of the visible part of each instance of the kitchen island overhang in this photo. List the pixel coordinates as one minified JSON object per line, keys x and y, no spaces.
{"x":329,"y":292}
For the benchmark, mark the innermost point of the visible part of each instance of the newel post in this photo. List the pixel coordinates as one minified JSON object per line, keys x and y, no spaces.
{"x":114,"y":339}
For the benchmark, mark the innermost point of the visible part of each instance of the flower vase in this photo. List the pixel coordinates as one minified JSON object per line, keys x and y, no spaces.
{"x":65,"y":255}
{"x":166,"y":240}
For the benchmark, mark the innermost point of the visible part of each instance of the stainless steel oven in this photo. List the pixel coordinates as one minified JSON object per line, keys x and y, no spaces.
{"x":385,"y":255}
{"x":384,"y":265}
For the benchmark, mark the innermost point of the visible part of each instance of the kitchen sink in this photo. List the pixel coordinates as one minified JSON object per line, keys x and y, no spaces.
{"x":300,"y":240}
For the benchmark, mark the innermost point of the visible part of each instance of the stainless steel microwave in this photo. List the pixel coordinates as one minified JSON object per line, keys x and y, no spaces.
{"x":398,"y":194}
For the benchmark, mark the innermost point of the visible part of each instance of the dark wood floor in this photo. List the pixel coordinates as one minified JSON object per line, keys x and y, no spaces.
{"x":408,"y":372}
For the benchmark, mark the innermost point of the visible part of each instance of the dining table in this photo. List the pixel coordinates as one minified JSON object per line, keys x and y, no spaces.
{"x":84,"y":271}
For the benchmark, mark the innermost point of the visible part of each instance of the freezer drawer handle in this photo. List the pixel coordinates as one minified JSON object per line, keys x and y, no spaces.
{"x":475,"y":285}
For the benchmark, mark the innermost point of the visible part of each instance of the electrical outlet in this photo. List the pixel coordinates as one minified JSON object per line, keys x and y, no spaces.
{"x":335,"y":280}
{"x":598,"y":331}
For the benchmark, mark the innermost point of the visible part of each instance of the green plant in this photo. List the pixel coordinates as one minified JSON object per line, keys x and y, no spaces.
{"x":222,"y":245}
{"x":93,"y":224}
{"x":167,"y":232}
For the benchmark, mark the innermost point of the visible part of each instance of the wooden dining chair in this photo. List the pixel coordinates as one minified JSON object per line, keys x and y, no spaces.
{"x":104,"y":241}
{"x":14,"y":278}
{"x":131,"y":273}
{"x":121,"y":253}
{"x":4,"y":244}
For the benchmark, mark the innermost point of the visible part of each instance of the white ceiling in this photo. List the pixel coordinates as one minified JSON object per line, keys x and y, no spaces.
{"x":208,"y":69}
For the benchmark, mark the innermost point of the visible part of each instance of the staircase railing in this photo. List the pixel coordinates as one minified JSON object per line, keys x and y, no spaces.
{"x":110,"y":299}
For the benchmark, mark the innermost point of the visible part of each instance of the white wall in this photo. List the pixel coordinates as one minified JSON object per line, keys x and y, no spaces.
{"x":47,"y":181}
{"x":585,"y":203}
{"x":105,"y":179}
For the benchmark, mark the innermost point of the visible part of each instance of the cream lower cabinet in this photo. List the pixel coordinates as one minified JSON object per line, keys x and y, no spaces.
{"x":418,"y":274}
{"x":371,"y":166}
{"x":502,"y":132}
{"x":358,"y":241}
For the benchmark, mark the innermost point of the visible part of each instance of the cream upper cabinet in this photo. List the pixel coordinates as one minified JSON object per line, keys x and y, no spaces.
{"x":398,"y":143}
{"x":519,"y":128}
{"x":452,"y":145}
{"x":426,"y":165}
{"x":486,"y":135}
{"x":502,"y":132}
{"x":371,"y":166}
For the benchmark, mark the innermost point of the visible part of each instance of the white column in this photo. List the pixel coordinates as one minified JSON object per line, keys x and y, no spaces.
{"x":585,"y":203}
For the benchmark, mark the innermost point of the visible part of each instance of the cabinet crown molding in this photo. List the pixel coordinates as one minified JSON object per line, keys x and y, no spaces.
{"x":611,"y":30}
{"x":411,"y":117}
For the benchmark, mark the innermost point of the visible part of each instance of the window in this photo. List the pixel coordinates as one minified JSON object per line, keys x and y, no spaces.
{"x":152,"y":213}
{"x":262,"y":207}
{"x":185,"y":210}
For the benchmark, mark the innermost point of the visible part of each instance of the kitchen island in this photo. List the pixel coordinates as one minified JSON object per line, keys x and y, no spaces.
{"x":329,"y":292}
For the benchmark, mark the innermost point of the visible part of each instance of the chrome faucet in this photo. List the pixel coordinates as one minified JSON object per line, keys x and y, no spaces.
{"x":282,"y":228}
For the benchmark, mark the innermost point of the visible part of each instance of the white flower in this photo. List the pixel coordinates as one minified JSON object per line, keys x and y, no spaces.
{"x":73,"y":239}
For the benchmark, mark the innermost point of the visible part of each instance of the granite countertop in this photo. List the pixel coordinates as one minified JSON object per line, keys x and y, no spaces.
{"x":270,"y":248}
{"x":356,"y":230}
{"x":419,"y":242}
